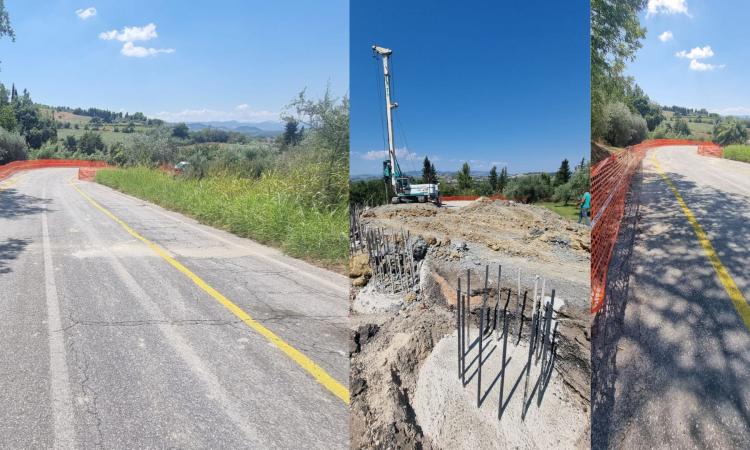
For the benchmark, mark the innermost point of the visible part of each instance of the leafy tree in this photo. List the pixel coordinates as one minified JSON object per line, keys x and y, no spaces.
{"x":181,"y":131}
{"x":623,"y":127}
{"x":12,"y":147}
{"x":563,"y":173}
{"x":152,"y":148}
{"x":429,"y":175}
{"x":681,"y":127}
{"x":138,"y":117}
{"x":503,"y":180}
{"x":563,"y":193}
{"x":5,"y":28}
{"x":90,"y":143}
{"x":616,"y":35}
{"x":528,"y":188}
{"x":368,"y":192}
{"x":580,"y":182}
{"x":729,"y":131}
{"x":464,"y":177}
{"x":4,"y":95}
{"x":545,"y":178}
{"x":71,"y":144}
{"x":326,"y":140}
{"x":292,"y":133}
{"x":7,"y":118}
{"x":37,"y":130}
{"x":493,"y":178}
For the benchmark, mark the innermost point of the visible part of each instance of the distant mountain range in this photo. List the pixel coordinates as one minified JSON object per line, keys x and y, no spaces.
{"x":263,"y":129}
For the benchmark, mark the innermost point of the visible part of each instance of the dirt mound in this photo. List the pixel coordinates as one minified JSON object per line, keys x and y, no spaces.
{"x":403,"y":210}
{"x":510,"y":228}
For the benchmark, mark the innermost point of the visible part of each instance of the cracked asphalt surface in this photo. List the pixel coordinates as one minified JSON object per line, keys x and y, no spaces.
{"x":671,"y":353}
{"x":144,"y":357}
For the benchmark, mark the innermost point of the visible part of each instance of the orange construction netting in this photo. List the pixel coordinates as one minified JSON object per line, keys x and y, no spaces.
{"x":17,"y":166}
{"x":610,"y":182}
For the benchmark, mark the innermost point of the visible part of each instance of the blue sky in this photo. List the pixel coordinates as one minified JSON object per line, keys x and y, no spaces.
{"x":222,"y":60}
{"x":696,"y":54}
{"x":489,"y":82}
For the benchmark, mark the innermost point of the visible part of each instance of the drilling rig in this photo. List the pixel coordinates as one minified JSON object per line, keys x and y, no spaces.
{"x":402,"y":187}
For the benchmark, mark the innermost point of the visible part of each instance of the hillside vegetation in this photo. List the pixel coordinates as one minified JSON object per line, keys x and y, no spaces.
{"x":291,"y":193}
{"x":622,"y":114}
{"x":738,"y":153}
{"x":555,"y":191}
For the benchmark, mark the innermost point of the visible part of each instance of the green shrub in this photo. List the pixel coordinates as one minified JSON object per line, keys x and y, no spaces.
{"x":729,"y":131}
{"x":12,"y":147}
{"x":623,"y":127}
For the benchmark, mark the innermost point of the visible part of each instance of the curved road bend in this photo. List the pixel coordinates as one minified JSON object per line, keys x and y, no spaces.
{"x":104,"y":343}
{"x":682,"y":370}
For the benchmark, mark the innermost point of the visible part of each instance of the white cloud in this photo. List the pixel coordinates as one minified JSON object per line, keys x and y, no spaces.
{"x":666,"y":36}
{"x":696,"y":53}
{"x":211,"y":115}
{"x":667,"y":7}
{"x":703,"y":67}
{"x":131,"y":34}
{"x":84,"y":14}
{"x":132,"y":50}
{"x":401,"y":153}
{"x":242,"y":107}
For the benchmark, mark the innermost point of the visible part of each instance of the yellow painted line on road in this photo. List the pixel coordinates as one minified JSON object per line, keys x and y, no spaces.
{"x":10,"y":183}
{"x":740,"y":303}
{"x":320,"y":375}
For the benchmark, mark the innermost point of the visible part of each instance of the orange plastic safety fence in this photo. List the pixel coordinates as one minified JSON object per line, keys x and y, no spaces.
{"x":712,"y":150}
{"x":610,"y":182}
{"x":17,"y":166}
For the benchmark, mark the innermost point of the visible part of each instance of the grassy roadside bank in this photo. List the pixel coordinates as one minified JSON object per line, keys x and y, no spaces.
{"x":738,"y":153}
{"x":569,"y":211}
{"x":269,"y":210}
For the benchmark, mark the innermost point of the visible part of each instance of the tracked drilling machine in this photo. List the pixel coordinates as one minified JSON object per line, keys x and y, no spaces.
{"x":402,"y":187}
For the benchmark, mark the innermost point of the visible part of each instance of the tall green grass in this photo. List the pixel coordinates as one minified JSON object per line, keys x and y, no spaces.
{"x":738,"y":153}
{"x":569,"y":211}
{"x":275,"y":209}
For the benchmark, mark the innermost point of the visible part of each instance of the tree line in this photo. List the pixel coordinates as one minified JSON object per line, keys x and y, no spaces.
{"x":562,"y":186}
{"x":621,"y":113}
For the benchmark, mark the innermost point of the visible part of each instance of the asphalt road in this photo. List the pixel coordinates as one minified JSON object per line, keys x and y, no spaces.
{"x":105,"y":344}
{"x":674,"y":369}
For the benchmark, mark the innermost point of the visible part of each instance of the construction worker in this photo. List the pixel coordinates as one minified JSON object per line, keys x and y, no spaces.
{"x":584,"y":205}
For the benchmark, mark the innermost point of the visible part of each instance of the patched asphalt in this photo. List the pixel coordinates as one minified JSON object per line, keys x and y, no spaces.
{"x":151,"y":360}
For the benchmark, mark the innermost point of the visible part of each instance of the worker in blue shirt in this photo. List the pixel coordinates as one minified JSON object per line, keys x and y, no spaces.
{"x":585,"y":208}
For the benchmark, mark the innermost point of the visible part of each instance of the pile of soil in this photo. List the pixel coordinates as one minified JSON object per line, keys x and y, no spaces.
{"x":503,"y":226}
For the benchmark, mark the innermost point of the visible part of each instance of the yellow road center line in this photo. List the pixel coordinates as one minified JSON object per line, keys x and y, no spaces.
{"x":740,"y":303}
{"x":320,"y":375}
{"x":10,"y":183}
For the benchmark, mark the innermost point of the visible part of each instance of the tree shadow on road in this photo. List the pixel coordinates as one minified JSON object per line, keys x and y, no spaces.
{"x":14,"y":204}
{"x":9,"y":250}
{"x":671,"y":356}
